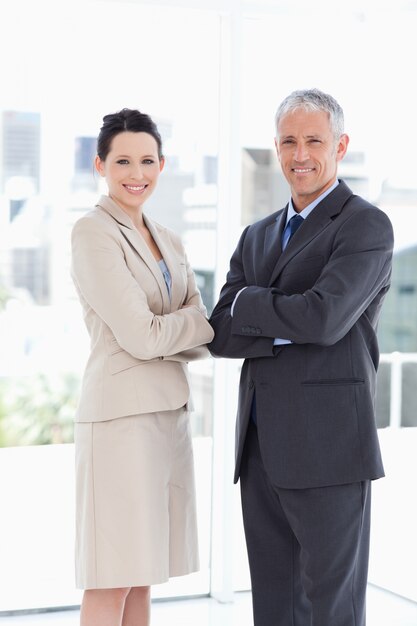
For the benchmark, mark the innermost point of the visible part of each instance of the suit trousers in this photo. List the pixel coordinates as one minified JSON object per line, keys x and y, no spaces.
{"x":308,"y":548}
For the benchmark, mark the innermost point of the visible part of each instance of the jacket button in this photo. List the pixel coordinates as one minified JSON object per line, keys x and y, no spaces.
{"x":251,"y":384}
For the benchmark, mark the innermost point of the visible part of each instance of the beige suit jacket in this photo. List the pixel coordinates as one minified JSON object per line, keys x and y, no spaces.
{"x":141,"y":340}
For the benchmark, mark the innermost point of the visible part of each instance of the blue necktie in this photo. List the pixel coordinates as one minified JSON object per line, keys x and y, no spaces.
{"x":294,"y":223}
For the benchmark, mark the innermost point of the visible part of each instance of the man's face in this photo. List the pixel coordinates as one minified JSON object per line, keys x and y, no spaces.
{"x":308,"y":153}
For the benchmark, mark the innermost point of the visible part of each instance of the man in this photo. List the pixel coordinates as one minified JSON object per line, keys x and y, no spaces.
{"x":301,"y":305}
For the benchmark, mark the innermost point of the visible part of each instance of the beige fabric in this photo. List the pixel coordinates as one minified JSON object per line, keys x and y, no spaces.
{"x":140,"y":340}
{"x":136,"y":519}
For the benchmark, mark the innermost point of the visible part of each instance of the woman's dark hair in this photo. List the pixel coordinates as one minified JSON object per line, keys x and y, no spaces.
{"x":129,"y":120}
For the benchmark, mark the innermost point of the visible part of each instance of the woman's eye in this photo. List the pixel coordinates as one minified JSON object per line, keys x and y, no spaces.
{"x":122,"y":161}
{"x":148,"y":161}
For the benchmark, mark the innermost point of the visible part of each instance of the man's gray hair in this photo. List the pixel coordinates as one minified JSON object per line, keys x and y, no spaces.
{"x":313,"y":100}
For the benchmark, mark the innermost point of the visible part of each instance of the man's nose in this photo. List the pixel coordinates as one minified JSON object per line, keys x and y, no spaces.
{"x":301,"y":152}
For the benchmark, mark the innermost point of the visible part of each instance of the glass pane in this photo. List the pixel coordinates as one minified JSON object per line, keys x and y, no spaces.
{"x":58,"y":80}
{"x":371,"y":167}
{"x":383,"y":395}
{"x":367,"y":66}
{"x":409,"y":397}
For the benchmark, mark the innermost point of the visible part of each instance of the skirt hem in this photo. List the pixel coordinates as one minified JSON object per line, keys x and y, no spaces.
{"x":158,"y":580}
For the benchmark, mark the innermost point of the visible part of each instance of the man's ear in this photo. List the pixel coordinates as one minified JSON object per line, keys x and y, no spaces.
{"x":342,"y":146}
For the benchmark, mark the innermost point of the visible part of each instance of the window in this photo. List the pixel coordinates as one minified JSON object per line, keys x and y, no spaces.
{"x":287,"y":48}
{"x":59,"y":79}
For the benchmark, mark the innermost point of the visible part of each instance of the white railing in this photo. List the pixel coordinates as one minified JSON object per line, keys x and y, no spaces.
{"x":396,"y":360}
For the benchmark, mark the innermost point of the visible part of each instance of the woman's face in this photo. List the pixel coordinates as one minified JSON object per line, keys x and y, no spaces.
{"x":131,"y":168}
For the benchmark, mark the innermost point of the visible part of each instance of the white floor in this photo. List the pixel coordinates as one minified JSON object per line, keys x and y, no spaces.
{"x":384,"y":609}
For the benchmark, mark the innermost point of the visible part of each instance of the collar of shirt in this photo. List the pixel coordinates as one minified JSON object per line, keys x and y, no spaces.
{"x":305,"y":212}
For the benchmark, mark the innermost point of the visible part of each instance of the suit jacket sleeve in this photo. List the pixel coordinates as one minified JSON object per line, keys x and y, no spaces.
{"x":357,"y":270}
{"x":193,"y":299}
{"x":226,"y":342}
{"x":100,"y":271}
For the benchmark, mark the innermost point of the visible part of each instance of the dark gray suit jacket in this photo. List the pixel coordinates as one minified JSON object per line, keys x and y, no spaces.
{"x":315,"y":397}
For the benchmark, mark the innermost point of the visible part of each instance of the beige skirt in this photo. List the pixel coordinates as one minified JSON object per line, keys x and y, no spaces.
{"x":135,"y":501}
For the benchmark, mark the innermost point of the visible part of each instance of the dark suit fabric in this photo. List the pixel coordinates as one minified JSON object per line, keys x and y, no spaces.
{"x":306,"y":467}
{"x":314,"y":398}
{"x":308,"y":549}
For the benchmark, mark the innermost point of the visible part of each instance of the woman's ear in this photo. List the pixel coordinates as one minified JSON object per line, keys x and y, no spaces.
{"x":161,"y":163}
{"x":99,"y":165}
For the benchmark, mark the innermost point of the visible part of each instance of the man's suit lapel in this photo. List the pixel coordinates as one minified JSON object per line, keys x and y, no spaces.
{"x":272,"y":248}
{"x":134,"y":238}
{"x":319,"y":219}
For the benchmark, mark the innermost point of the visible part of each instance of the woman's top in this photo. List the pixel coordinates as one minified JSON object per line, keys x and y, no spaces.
{"x":166,"y":275}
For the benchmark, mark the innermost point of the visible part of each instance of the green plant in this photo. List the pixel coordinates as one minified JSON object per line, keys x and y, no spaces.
{"x":4,"y":296}
{"x":38,"y":410}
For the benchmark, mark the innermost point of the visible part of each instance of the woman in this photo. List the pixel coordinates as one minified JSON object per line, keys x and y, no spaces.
{"x":136,"y":521}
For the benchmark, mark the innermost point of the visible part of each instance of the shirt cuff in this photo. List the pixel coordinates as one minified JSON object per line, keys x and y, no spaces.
{"x":234,"y":301}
